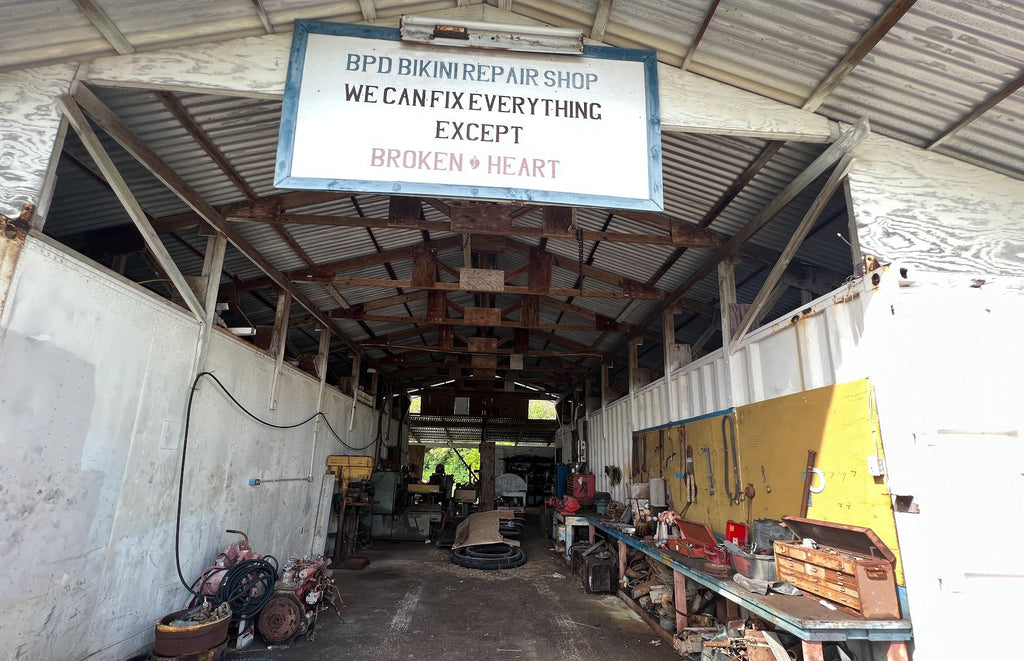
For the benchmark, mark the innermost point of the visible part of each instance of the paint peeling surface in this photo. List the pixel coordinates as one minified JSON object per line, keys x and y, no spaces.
{"x":94,"y":387}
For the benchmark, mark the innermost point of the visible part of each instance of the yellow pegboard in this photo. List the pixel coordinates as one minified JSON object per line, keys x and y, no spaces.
{"x":772,"y":439}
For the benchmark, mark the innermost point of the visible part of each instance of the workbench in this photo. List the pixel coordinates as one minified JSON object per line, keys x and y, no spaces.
{"x":805,"y":618}
{"x":563,"y":527}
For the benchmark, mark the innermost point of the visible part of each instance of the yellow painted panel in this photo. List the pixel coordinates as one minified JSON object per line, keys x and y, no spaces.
{"x":772,"y":439}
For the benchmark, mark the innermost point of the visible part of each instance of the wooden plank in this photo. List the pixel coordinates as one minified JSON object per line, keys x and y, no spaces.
{"x":773,"y":278}
{"x":404,"y":209}
{"x":476,"y":316}
{"x":691,"y":103}
{"x":848,"y":142}
{"x":116,"y":129}
{"x":437,"y":306}
{"x":424,"y":272}
{"x":445,"y":337}
{"x":989,"y":103}
{"x":559,"y":221}
{"x":893,"y":13}
{"x":213,"y":267}
{"x":106,"y":27}
{"x":278,"y":342}
{"x":480,"y":217}
{"x":185,"y":119}
{"x":486,"y":280}
{"x":483,"y":344}
{"x":120,"y":188}
{"x":540,"y":271}
{"x":530,"y":314}
{"x":726,"y":297}
{"x":30,"y":123}
{"x":638,"y":293}
{"x":695,"y":42}
{"x":601,"y":15}
{"x":927,"y":211}
{"x":257,"y":6}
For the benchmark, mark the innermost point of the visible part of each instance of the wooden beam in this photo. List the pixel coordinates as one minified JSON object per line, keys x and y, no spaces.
{"x":185,"y":119}
{"x":827,"y":159}
{"x":369,"y":10}
{"x":695,"y":42}
{"x":278,"y":341}
{"x":601,"y":15}
{"x":832,"y":185}
{"x":990,"y":102}
{"x":641,"y":294}
{"x":860,"y":50}
{"x":106,"y":27}
{"x":117,"y":130}
{"x":684,"y":234}
{"x":99,"y":155}
{"x":264,"y":18}
{"x":535,"y":353}
{"x":484,"y":317}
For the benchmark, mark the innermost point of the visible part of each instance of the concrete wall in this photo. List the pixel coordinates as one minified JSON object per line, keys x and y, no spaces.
{"x":95,"y":378}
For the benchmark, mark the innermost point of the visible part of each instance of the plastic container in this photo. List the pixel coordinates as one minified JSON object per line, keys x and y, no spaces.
{"x":601,"y":500}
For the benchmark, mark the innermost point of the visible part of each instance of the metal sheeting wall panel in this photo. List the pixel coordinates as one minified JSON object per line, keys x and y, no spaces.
{"x":820,"y":348}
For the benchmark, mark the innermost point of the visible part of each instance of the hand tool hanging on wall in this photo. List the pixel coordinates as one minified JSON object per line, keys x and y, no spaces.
{"x":727,"y":437}
{"x":691,"y":479}
{"x":711,"y":474}
{"x":808,"y":477}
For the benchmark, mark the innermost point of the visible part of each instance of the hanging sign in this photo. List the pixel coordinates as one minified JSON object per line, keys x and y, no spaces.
{"x":365,"y":112}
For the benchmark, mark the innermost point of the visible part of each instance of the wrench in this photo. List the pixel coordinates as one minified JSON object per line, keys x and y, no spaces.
{"x":711,"y":476}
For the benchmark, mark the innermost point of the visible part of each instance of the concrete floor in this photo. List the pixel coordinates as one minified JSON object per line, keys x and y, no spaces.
{"x":411,"y":602}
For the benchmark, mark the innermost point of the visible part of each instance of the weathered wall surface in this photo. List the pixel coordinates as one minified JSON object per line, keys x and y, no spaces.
{"x":943,"y":356}
{"x":934,"y":213}
{"x":94,"y":386}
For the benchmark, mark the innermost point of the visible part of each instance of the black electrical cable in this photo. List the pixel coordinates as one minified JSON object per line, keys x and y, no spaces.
{"x":184,"y":450}
{"x":247,"y":587}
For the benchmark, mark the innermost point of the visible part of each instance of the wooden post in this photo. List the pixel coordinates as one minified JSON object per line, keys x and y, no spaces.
{"x":486,"y":485}
{"x":278,"y":341}
{"x":682,"y":607}
{"x":813,"y":650}
{"x":356,"y":364}
{"x":623,"y":554}
{"x":12,"y":238}
{"x":213,"y":264}
{"x":897,"y":651}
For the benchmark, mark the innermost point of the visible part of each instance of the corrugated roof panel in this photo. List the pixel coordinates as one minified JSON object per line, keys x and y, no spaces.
{"x":993,"y":140}
{"x":938,"y":63}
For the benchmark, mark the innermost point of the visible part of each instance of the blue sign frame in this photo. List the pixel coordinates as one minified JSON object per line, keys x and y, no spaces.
{"x":289,"y":112}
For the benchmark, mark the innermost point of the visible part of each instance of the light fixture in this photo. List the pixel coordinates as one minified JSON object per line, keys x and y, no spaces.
{"x":498,"y":36}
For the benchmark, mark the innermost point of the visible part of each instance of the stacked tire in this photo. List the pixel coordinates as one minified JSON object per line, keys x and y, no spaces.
{"x":511,"y":528}
{"x":489,"y":556}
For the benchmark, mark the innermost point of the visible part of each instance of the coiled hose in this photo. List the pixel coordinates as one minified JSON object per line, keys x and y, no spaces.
{"x":247,"y":587}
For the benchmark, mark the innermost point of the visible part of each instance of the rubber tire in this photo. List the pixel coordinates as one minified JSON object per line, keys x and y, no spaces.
{"x":491,"y":558}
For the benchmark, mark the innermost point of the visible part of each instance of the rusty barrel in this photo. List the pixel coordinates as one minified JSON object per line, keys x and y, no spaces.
{"x":192,"y":639}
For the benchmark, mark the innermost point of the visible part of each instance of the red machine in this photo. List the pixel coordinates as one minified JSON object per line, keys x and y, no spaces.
{"x":303,"y":590}
{"x":582,"y":487}
{"x":213,"y":575}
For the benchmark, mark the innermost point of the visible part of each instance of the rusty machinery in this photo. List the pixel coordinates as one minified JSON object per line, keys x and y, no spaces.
{"x":304,"y":589}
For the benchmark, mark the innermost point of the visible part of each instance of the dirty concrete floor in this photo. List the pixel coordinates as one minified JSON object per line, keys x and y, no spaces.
{"x":411,"y":602}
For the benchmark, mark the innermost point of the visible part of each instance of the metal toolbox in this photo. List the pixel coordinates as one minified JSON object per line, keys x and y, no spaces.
{"x":848,"y":566}
{"x":697,"y":541}
{"x":600,"y":575}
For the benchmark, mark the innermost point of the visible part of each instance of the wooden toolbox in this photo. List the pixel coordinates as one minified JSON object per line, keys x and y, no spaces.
{"x":851,"y":567}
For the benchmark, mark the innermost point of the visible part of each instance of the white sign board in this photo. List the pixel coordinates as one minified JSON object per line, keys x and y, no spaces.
{"x":366,"y":112}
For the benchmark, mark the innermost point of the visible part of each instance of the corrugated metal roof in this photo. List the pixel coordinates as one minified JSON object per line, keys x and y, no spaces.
{"x":943,"y":58}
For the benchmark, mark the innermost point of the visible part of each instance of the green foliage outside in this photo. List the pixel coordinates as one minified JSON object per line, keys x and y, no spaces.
{"x":542,"y":409}
{"x":452,"y":465}
{"x":414,"y":404}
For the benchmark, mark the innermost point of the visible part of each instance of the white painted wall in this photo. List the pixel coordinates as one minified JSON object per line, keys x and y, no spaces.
{"x":945,"y":362}
{"x":929,"y":211}
{"x":94,"y":384}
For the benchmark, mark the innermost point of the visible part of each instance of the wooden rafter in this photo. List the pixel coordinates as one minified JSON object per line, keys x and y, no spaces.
{"x":695,"y":42}
{"x":989,"y":103}
{"x":117,"y":130}
{"x":106,"y":27}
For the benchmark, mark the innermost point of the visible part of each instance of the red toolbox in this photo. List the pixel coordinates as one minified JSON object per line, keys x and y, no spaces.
{"x":582,"y":488}
{"x":697,"y":542}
